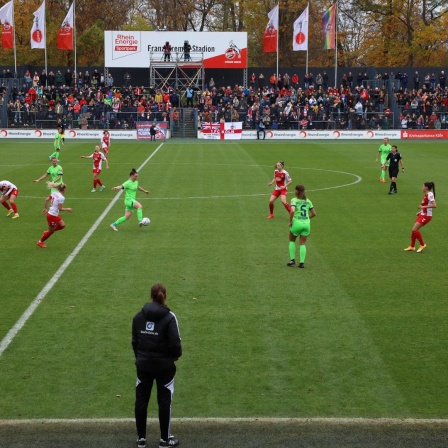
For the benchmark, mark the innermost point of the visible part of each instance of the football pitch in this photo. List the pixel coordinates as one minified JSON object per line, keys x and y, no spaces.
{"x":360,"y":333}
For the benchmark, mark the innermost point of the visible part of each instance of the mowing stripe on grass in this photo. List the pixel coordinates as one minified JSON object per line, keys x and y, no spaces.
{"x":47,"y":288}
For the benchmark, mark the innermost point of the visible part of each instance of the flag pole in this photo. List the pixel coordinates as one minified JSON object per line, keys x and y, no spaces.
{"x":278,"y":32}
{"x":14,"y":40}
{"x":45,"y":34}
{"x":307,"y":37}
{"x":336,"y":45}
{"x":74,"y":36}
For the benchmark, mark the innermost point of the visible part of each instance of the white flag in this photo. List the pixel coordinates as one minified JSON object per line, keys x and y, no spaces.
{"x":300,"y":35}
{"x":271,"y":32}
{"x":38,"y":29}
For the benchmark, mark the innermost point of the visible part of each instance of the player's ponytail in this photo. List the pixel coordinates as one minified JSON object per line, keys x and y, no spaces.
{"x":300,"y":192}
{"x":59,"y":186}
{"x":431,"y":186}
{"x":133,"y":171}
{"x":158,"y":293}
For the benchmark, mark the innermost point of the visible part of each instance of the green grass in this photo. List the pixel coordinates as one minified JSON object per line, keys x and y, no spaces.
{"x":361,"y":332}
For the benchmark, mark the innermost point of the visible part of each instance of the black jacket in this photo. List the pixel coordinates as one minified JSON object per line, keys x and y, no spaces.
{"x":155,"y":338}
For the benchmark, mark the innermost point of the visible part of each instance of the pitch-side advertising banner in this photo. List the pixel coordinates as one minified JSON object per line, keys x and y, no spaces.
{"x":144,"y":130}
{"x":69,"y":134}
{"x":424,"y":134}
{"x":323,"y":135}
{"x":133,"y":48}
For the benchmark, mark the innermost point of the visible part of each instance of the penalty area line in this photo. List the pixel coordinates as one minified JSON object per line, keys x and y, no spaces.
{"x":298,"y":420}
{"x":12,"y":333}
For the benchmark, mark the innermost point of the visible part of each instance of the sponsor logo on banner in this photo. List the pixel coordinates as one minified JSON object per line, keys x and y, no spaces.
{"x":71,"y":134}
{"x":323,"y":135}
{"x":217,"y":49}
{"x":423,"y":134}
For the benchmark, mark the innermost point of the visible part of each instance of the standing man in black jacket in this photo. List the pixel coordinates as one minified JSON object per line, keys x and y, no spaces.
{"x":157,"y":345}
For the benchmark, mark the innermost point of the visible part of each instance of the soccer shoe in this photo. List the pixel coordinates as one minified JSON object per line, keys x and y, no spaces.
{"x":141,"y":443}
{"x":271,"y":215}
{"x":420,"y":249}
{"x":140,"y":223}
{"x":395,"y":191}
{"x":409,"y":248}
{"x":40,"y":244}
{"x":390,"y":192}
{"x":383,"y":181}
{"x":16,"y":215}
{"x":301,"y":265}
{"x":93,"y":191}
{"x":10,"y":212}
{"x":103,"y":187}
{"x":113,"y":227}
{"x":172,"y":441}
{"x":291,"y":263}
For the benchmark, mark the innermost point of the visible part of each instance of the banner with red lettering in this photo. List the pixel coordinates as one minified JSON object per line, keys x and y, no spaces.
{"x":222,"y":131}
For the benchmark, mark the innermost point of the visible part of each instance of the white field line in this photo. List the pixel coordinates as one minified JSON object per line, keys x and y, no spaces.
{"x":356,"y":181}
{"x":302,"y":421}
{"x":46,"y":289}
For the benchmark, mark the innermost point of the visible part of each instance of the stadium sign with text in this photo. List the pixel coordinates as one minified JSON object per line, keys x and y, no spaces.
{"x":132,"y":49}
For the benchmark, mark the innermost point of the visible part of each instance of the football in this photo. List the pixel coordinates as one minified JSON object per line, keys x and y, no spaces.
{"x":146,"y":221}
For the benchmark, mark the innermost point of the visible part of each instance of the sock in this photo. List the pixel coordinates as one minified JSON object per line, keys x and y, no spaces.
{"x":14,"y":207}
{"x":394,"y":184}
{"x":119,"y":221}
{"x":6,"y":205}
{"x":139,"y":214}
{"x":271,"y":208}
{"x":292,"y":250}
{"x":413,"y":238}
{"x":302,"y":249}
{"x":98,"y":182}
{"x":94,"y":183}
{"x":383,"y":174}
{"x":287,"y":206}
{"x":391,"y":186}
{"x":419,"y":237}
{"x":45,"y":236}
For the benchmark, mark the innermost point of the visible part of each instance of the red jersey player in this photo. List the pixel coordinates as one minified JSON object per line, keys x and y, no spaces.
{"x":98,"y":158}
{"x":424,"y":215}
{"x":9,"y":192}
{"x":105,"y":142}
{"x":282,"y":179}
{"x":54,"y":205}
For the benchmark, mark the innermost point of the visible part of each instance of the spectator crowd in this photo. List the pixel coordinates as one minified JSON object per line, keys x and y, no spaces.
{"x":93,"y":100}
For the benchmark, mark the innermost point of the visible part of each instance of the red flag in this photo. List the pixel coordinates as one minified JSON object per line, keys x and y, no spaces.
{"x":7,"y":20}
{"x":271,"y":31}
{"x":65,"y":33}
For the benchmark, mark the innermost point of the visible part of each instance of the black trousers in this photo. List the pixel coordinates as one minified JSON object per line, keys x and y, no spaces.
{"x":165,"y":389}
{"x":261,"y":132}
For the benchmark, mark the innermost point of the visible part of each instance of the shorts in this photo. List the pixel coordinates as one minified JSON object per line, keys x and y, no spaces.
{"x":300,"y":227}
{"x":14,"y":192}
{"x":53,"y":220}
{"x":106,"y":149}
{"x":393,"y":172}
{"x":277,"y":193}
{"x":423,"y":219}
{"x":96,"y":171}
{"x":129,"y":205}
{"x":384,"y":161}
